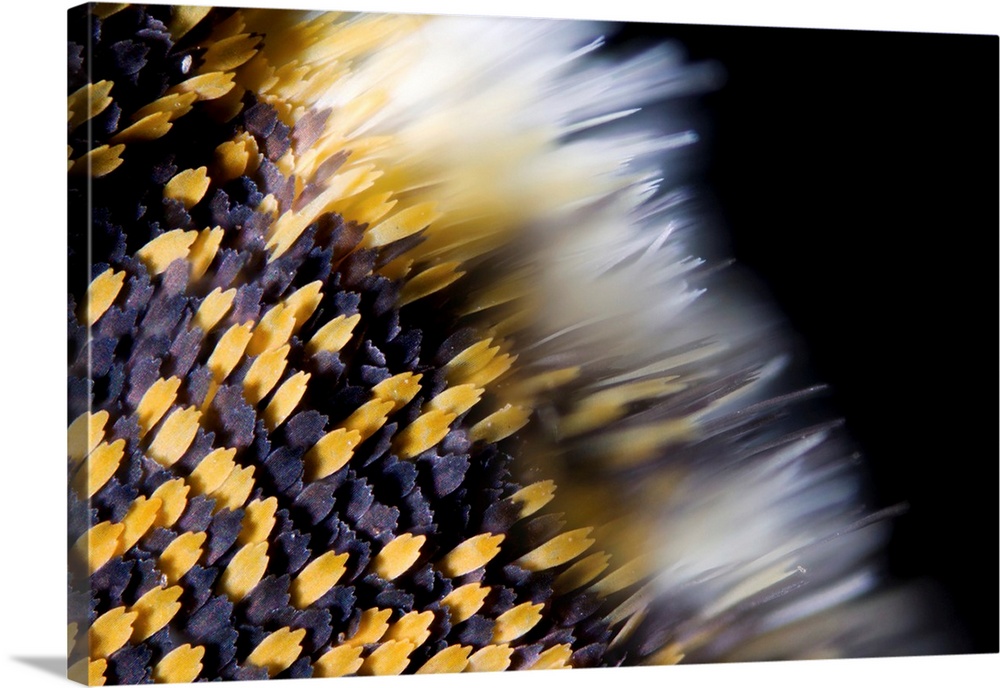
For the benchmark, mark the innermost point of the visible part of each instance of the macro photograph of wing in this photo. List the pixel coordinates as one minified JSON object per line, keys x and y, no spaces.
{"x":408,"y":344}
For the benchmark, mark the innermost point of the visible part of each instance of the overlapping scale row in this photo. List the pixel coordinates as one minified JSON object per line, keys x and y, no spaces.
{"x":285,"y":454}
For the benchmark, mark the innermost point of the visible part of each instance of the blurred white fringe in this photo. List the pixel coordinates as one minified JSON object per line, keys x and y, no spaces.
{"x":523,"y":123}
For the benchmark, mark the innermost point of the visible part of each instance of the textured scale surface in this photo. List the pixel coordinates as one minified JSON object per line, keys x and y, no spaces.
{"x":327,"y":417}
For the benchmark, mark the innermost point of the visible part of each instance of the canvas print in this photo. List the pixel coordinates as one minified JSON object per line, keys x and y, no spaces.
{"x":404,"y":344}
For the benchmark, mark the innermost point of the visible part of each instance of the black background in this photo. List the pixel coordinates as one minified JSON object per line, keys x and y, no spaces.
{"x":857,"y":174}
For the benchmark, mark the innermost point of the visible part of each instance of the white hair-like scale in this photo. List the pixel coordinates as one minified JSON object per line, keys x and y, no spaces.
{"x":749,"y":522}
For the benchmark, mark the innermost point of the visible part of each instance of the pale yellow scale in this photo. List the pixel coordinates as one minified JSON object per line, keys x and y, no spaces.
{"x":581,"y":573}
{"x":534,"y":497}
{"x":159,"y":397}
{"x":212,"y":471}
{"x":149,"y":128}
{"x":470,"y":361}
{"x":97,"y":546}
{"x":229,"y":350}
{"x":155,"y":609}
{"x":451,"y":660}
{"x":623,"y":577}
{"x":331,"y":453}
{"x":334,"y":335}
{"x":258,"y":520}
{"x":99,"y":161}
{"x":368,"y":418}
{"x":180,"y":665}
{"x":316,"y":579}
{"x":398,"y":556}
{"x":369,"y":208}
{"x":234,"y":158}
{"x":423,"y":433}
{"x":389,"y":659}
{"x":399,"y":389}
{"x":203,"y":251}
{"x":285,"y":399}
{"x":511,"y":288}
{"x":673,"y":653}
{"x":470,"y":555}
{"x":188,"y":186}
{"x":465,"y":600}
{"x":180,"y":555}
{"x":98,"y":468}
{"x":110,"y":632}
{"x":278,"y":651}
{"x":229,"y":53}
{"x":101,"y":294}
{"x":500,"y":424}
{"x":174,"y":436}
{"x":557,"y":551}
{"x":235,"y":489}
{"x":303,"y":303}
{"x":173,"y":500}
{"x":84,"y":434}
{"x":342,"y":660}
{"x":244,"y":571}
{"x":456,"y":400}
{"x":632,"y":446}
{"x":490,"y":658}
{"x":174,"y":105}
{"x":413,"y":627}
{"x":430,"y":281}
{"x":87,"y":102}
{"x":138,"y":520}
{"x":212,"y":309}
{"x":159,"y":253}
{"x":373,"y":625}
{"x":400,"y":225}
{"x":207,"y":86}
{"x":556,"y":657}
{"x":272,"y":331}
{"x":264,"y":373}
{"x":517,"y":621}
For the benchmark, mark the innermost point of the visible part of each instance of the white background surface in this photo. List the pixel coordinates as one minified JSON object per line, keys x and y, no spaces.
{"x":33,"y":354}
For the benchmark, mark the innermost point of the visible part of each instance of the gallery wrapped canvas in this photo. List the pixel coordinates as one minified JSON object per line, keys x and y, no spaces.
{"x":393,"y":350}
